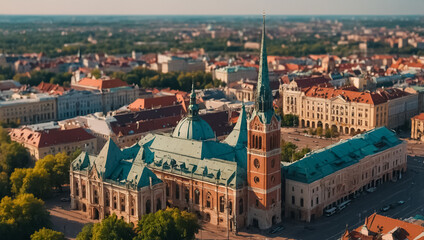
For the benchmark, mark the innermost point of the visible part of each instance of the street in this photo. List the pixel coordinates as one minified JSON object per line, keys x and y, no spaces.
{"x":409,"y":189}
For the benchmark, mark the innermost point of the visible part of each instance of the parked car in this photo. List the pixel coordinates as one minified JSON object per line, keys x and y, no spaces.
{"x":276,"y":229}
{"x":330,"y":212}
{"x":65,"y":199}
{"x":401,"y":202}
{"x":385,"y":208}
{"x":370,"y":190}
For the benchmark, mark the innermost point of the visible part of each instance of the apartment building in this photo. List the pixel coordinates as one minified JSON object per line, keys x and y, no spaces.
{"x":235,"y":73}
{"x":346,"y":110}
{"x":327,"y":177}
{"x":28,"y":109}
{"x":417,"y":127}
{"x":41,"y":143}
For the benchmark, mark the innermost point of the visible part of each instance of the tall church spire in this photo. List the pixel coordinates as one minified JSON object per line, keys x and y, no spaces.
{"x":263,"y":103}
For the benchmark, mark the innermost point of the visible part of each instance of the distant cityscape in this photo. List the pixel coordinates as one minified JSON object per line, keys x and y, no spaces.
{"x":300,"y":127}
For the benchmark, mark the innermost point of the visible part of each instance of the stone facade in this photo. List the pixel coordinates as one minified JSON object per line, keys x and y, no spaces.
{"x":348,"y":111}
{"x":35,"y":108}
{"x":76,"y":103}
{"x":311,"y":188}
{"x":234,"y":74}
{"x":417,"y":127}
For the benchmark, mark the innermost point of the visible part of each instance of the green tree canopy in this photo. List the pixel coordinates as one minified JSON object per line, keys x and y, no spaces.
{"x":168,"y":224}
{"x":86,"y":232}
{"x":96,"y":73}
{"x":112,"y":228}
{"x":57,"y":167}
{"x":31,"y":180}
{"x":47,"y":234}
{"x":4,"y":136}
{"x":13,"y":155}
{"x":289,"y":152}
{"x":20,"y":217}
{"x":4,"y":184}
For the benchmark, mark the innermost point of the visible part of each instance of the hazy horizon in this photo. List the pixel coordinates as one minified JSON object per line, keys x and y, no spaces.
{"x":218,"y":7}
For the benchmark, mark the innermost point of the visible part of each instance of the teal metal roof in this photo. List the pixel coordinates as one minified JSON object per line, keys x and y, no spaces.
{"x":206,"y":160}
{"x":323,"y":162}
{"x":117,"y":166}
{"x":239,"y":133}
{"x":193,"y":128}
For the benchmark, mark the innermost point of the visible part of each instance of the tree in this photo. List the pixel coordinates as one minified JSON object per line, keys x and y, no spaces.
{"x":168,"y":224}
{"x":17,"y":179}
{"x":21,"y":78}
{"x":20,"y":217}
{"x":110,"y":228}
{"x":57,"y":167}
{"x":37,"y":182}
{"x":319,"y":131}
{"x":4,"y":136}
{"x":13,"y":155}
{"x":4,"y":185}
{"x":96,"y":73}
{"x":289,"y":120}
{"x":300,"y":154}
{"x":31,"y":180}
{"x":86,"y":232}
{"x":47,"y":234}
{"x":287,"y":151}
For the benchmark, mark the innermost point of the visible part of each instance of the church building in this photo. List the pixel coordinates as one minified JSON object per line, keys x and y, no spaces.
{"x":233,"y":183}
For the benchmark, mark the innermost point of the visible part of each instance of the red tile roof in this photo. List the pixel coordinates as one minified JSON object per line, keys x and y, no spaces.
{"x":350,"y":96}
{"x":419,"y":116}
{"x":102,"y":83}
{"x":147,"y":103}
{"x":401,"y":230}
{"x":307,"y":82}
{"x":51,"y":88}
{"x":46,"y":138}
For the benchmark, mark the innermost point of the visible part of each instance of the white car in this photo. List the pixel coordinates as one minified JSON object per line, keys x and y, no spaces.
{"x":370,"y":190}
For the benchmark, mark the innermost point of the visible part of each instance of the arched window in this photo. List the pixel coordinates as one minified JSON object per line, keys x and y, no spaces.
{"x":177,"y":191}
{"x":260,"y":143}
{"x":196,"y":196}
{"x":256,"y":142}
{"x":230,"y":207}
{"x":167,"y":189}
{"x":148,"y":206}
{"x":209,"y":200}
{"x":107,"y":198}
{"x":271,"y":142}
{"x":241,"y":206}
{"x":158,"y":204}
{"x":96,"y":197}
{"x":186,"y":194}
{"x":221,"y":204}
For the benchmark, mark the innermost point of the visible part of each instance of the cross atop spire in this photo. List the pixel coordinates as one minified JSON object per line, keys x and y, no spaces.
{"x":263,"y":92}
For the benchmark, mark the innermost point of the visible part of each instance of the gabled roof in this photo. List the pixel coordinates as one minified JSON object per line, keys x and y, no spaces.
{"x":396,"y":229}
{"x":239,"y":134}
{"x":118,"y":166}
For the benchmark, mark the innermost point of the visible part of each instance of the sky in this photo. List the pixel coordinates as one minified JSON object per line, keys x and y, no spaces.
{"x":214,"y":7}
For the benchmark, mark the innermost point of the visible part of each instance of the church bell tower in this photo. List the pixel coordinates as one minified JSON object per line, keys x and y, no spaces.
{"x":264,"y":153}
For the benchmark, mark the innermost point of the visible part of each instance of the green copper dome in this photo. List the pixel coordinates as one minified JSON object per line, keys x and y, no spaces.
{"x":193,"y":126}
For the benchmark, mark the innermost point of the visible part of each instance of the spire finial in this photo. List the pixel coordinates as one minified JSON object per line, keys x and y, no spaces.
{"x":263,"y":101}
{"x":193,"y":107}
